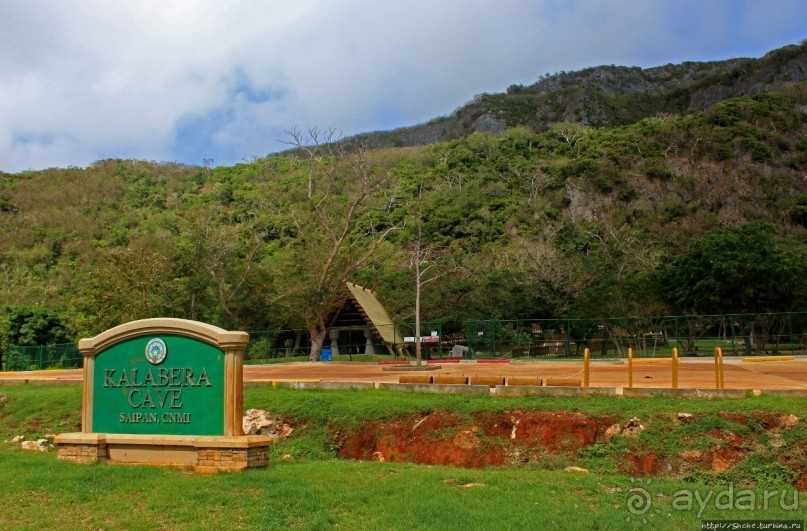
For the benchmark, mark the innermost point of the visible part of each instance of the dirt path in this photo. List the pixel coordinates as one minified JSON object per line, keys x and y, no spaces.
{"x":693,"y":373}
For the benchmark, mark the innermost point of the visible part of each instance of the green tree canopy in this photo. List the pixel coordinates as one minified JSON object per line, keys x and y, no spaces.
{"x":35,"y":326}
{"x":740,"y":269}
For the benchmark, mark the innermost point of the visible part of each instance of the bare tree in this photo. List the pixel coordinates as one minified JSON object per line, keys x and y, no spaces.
{"x":315,"y":145}
{"x":208,"y":163}
{"x":624,"y":248}
{"x":430,"y":264}
{"x":571,"y":133}
{"x":559,"y":277}
{"x":335,"y":239}
{"x":232,"y":253}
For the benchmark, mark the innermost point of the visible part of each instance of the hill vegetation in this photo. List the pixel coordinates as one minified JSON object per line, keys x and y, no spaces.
{"x":653,"y":208}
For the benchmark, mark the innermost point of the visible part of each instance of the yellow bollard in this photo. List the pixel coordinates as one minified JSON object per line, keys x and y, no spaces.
{"x":630,"y":368}
{"x":717,"y":367}
{"x":675,"y":368}
{"x":586,"y":369}
{"x":719,"y":380}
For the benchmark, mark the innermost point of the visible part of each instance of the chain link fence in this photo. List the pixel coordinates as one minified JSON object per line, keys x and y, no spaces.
{"x":353,"y":344}
{"x":31,"y":358}
{"x":693,"y":335}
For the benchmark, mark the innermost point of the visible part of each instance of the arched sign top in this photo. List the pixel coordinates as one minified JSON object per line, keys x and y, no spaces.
{"x":218,"y":337}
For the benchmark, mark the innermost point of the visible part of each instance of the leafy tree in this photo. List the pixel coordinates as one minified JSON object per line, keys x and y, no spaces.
{"x":31,"y":326}
{"x":799,"y":211}
{"x":737,"y":270}
{"x":633,"y":296}
{"x":35,"y":326}
{"x":131,"y":283}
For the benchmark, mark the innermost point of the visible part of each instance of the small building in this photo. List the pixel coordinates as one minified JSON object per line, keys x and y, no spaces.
{"x":365,"y":317}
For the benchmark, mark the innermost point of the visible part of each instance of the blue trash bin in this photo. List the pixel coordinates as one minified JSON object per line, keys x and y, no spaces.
{"x":325,"y":355}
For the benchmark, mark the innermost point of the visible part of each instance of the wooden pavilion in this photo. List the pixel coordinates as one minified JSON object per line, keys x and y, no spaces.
{"x":364,"y":313}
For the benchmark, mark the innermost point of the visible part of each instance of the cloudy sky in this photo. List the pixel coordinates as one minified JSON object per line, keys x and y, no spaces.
{"x":187,"y":80}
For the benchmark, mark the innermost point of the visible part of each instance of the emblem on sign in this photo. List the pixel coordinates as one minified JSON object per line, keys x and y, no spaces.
{"x":156,"y":351}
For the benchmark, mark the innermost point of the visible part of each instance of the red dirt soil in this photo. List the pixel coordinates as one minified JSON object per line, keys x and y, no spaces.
{"x":442,"y":438}
{"x":519,"y":436}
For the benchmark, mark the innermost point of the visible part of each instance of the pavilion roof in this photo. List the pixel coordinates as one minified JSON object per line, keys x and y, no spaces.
{"x":376,"y":313}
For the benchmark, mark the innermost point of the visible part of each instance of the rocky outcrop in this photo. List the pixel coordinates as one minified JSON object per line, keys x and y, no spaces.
{"x":588,"y":96}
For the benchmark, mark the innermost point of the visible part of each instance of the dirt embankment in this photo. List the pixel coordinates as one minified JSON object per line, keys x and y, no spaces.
{"x":668,"y":445}
{"x":477,"y":440}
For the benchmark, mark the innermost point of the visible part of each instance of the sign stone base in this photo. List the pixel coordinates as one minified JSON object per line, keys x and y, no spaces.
{"x":205,"y":454}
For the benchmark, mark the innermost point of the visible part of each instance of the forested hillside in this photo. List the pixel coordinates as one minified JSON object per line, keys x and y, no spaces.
{"x":692,"y":211}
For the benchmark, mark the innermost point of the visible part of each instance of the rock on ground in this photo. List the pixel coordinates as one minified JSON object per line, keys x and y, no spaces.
{"x":612,"y":432}
{"x":575,"y":469}
{"x":40,"y":445}
{"x":789,"y":421}
{"x":259,"y":422}
{"x":685,"y":417}
{"x":633,"y":428}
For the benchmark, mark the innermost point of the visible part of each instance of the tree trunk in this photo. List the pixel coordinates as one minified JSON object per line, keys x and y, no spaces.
{"x":418,"y":284}
{"x":749,"y":341}
{"x":296,"y":347}
{"x":318,"y":335}
{"x":418,"y":341}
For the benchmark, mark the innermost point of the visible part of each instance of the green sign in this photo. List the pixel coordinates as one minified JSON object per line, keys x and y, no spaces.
{"x":159,"y":384}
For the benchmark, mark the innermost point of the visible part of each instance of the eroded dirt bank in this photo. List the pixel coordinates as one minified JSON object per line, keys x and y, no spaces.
{"x":742,"y":446}
{"x":503,"y":438}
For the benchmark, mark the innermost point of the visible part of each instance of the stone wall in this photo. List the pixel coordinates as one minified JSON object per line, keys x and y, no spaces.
{"x":82,"y":453}
{"x":205,"y":455}
{"x":222,"y":459}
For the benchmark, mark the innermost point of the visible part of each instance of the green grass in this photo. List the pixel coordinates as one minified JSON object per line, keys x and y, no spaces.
{"x":33,"y":410}
{"x":315,"y":490}
{"x":45,"y":493}
{"x":351,"y":407}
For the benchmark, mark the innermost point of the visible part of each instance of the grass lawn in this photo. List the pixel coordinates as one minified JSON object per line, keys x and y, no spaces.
{"x":39,"y":492}
{"x":316,"y":490}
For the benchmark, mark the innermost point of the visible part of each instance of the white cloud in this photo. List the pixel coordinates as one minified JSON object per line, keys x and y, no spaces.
{"x":192,"y":79}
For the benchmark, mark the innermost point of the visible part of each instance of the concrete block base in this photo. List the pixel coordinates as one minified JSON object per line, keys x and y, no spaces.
{"x":203,"y":454}
{"x":439,"y":389}
{"x":521,"y":390}
{"x":649,"y":392}
{"x":789,"y":393}
{"x":411,"y":368}
{"x":328,"y":386}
